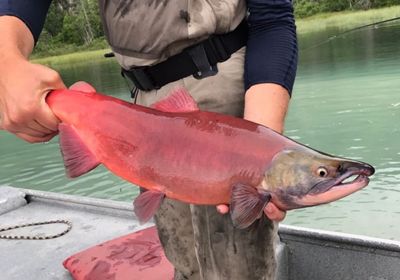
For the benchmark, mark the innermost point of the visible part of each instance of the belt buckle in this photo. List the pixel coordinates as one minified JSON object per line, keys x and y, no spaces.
{"x":200,"y":59}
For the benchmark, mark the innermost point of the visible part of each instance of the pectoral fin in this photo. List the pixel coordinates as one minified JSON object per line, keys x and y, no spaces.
{"x":147,"y":204}
{"x":247,"y":205}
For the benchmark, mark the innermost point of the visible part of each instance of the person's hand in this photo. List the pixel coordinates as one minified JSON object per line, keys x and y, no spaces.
{"x":266,"y":104}
{"x":24,"y":85}
{"x":23,"y":108}
{"x":271,"y":211}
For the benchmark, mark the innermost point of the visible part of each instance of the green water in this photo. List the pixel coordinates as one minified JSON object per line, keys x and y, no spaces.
{"x":346,"y":102}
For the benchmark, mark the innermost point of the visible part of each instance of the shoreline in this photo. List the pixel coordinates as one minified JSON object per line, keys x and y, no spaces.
{"x":345,"y":20}
{"x":73,"y":57}
{"x":341,"y":21}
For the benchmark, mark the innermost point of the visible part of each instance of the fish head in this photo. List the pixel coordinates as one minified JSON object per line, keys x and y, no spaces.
{"x":301,"y":177}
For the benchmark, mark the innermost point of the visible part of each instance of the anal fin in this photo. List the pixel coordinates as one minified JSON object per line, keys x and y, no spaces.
{"x":78,"y":159}
{"x":147,"y":204}
{"x":247,"y":205}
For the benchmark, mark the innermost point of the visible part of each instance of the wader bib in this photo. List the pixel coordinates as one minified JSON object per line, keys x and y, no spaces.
{"x":199,"y":242}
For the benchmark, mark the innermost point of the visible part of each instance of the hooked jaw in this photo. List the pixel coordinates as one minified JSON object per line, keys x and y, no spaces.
{"x":302,"y":177}
{"x":337,"y":188}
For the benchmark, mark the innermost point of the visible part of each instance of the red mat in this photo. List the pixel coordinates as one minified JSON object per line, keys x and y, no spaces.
{"x":138,"y":255}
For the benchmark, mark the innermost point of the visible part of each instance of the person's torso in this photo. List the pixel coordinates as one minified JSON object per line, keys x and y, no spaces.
{"x":143,"y":32}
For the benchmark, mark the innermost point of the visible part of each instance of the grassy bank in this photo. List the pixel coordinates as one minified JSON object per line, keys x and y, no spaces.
{"x":340,"y":20}
{"x":55,"y":49}
{"x":76,"y":57}
{"x":345,"y":20}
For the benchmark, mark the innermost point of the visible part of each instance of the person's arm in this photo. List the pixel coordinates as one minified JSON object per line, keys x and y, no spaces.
{"x":271,"y":61}
{"x":24,"y":85}
{"x":267,"y":104}
{"x":32,"y":13}
{"x":270,"y":68}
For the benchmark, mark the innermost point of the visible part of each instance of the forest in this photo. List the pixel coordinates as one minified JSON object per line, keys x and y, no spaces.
{"x":74,"y":25}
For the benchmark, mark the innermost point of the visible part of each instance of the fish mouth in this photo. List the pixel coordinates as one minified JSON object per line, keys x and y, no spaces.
{"x":347,"y":179}
{"x":349,"y":182}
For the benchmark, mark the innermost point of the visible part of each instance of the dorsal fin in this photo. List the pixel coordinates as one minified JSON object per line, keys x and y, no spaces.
{"x":178,"y":101}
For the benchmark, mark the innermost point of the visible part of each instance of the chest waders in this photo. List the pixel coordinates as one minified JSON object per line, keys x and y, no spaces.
{"x":199,"y":45}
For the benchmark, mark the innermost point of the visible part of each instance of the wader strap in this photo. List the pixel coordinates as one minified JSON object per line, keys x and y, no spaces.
{"x":199,"y":60}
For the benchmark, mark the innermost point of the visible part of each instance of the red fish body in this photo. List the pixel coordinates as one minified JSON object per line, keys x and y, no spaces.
{"x":174,"y":149}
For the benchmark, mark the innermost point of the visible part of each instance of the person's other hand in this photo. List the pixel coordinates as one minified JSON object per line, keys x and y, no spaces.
{"x":271,"y":211}
{"x":23,"y":108}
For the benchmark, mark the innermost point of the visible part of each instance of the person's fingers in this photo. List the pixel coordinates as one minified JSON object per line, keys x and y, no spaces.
{"x":35,"y":125}
{"x":223,"y":209}
{"x":29,"y":128}
{"x":274,"y":213}
{"x":33,"y":139}
{"x":30,"y":131}
{"x":45,"y":116}
{"x":47,"y":119}
{"x":271,"y":211}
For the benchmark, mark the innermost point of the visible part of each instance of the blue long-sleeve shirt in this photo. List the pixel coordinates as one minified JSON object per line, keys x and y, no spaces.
{"x":32,"y":13}
{"x":271,"y":55}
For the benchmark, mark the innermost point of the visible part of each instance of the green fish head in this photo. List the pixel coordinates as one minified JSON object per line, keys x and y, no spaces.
{"x":301,"y":177}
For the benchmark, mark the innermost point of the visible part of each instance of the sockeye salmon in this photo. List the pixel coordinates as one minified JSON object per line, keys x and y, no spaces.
{"x":175,"y":150}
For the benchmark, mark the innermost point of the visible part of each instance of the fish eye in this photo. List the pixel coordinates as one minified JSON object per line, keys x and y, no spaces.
{"x":322,"y":172}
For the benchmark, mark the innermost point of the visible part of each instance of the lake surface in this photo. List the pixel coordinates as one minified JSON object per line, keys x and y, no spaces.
{"x":346,"y":102}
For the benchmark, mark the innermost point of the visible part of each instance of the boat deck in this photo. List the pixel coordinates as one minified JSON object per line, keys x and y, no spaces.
{"x":93,"y":221}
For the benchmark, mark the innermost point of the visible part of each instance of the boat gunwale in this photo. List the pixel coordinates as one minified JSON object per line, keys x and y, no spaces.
{"x":287,"y":233}
{"x":338,"y":239}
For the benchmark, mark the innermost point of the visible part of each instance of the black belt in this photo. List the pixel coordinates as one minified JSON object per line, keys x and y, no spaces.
{"x":199,"y":60}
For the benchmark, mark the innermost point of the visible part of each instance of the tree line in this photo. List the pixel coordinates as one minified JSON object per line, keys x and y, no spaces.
{"x":74,"y":23}
{"x":71,"y":23}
